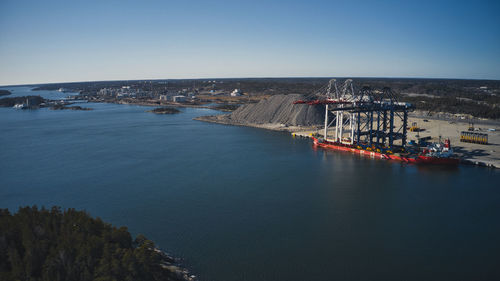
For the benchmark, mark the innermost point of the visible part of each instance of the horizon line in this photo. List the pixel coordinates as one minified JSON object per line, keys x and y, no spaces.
{"x":256,"y":77}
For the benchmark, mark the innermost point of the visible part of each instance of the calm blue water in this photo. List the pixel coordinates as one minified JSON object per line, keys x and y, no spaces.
{"x":247,"y":204}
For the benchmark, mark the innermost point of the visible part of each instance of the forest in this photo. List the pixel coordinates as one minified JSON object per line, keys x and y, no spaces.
{"x":10,"y":102}
{"x":55,"y":244}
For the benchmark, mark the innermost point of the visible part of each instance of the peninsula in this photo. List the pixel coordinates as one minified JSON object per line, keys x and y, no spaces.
{"x":56,"y":244}
{"x":4,"y":92}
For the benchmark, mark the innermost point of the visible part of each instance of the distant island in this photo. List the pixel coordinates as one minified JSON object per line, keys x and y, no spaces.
{"x":75,"y":107}
{"x":164,"y":110}
{"x":4,"y":93}
{"x":30,"y":101}
{"x":55,"y":244}
{"x":35,"y":102}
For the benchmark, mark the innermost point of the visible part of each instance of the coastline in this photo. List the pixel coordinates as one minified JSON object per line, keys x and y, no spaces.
{"x":469,"y":153}
{"x":174,"y":267}
{"x":434,"y":124}
{"x":149,"y":103}
{"x":219,"y":119}
{"x":165,"y":104}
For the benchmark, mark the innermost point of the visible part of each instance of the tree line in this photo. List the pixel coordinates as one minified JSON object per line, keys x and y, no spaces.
{"x":55,"y":244}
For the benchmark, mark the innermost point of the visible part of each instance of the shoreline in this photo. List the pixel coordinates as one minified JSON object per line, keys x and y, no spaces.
{"x":436,"y":124}
{"x":469,"y":153}
{"x":173,"y":266}
{"x":146,"y":103}
{"x":269,"y":126}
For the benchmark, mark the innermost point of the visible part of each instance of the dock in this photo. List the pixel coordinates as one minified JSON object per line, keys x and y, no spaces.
{"x":484,"y":155}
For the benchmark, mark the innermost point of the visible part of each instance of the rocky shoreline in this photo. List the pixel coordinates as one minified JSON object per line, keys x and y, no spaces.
{"x":224,"y":120}
{"x":174,"y":268}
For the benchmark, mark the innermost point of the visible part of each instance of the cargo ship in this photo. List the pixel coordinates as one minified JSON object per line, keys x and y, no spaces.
{"x":433,"y":154}
{"x":370,"y":122}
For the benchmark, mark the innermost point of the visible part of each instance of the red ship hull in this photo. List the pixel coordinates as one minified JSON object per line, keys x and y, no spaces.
{"x":425,"y":160}
{"x":436,"y":160}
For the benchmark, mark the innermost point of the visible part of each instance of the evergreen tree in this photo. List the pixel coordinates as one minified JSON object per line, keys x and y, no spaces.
{"x":41,"y":244}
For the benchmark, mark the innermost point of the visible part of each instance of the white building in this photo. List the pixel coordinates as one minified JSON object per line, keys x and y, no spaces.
{"x":236,"y":93}
{"x":179,"y":98}
{"x":104,"y":92}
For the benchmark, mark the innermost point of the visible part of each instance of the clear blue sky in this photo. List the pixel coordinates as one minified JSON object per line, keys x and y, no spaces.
{"x":57,"y":41}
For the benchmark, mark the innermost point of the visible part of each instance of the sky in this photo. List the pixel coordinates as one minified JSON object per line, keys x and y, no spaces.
{"x":64,"y":41}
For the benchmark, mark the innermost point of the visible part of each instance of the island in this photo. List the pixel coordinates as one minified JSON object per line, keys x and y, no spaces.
{"x":55,"y":244}
{"x":164,"y":110}
{"x":4,"y":93}
{"x":36,"y":102}
{"x":28,"y":102}
{"x":75,"y":107}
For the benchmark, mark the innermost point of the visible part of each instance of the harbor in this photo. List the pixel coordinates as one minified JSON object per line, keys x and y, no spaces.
{"x":373,"y":122}
{"x":487,"y":155}
{"x":251,"y":200}
{"x":474,"y":142}
{"x":250,"y":140}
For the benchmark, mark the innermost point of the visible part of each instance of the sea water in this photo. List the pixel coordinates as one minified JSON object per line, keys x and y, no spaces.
{"x":238,"y":203}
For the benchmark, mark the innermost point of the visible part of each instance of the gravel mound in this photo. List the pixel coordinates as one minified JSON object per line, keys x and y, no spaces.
{"x":279,"y":109}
